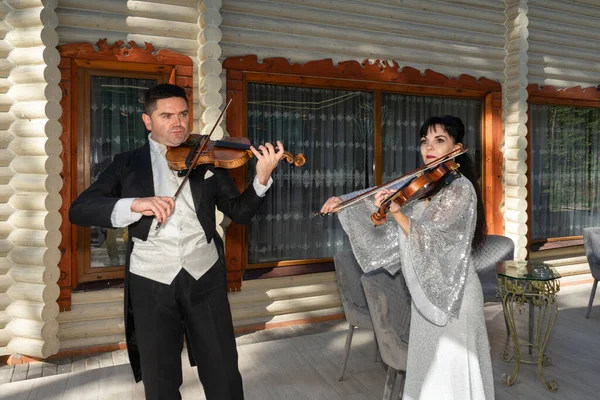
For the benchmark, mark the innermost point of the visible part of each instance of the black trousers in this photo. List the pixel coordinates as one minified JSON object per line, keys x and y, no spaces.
{"x":199,"y":309}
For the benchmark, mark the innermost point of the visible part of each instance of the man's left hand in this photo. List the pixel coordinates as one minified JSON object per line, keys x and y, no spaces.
{"x":267,"y":160}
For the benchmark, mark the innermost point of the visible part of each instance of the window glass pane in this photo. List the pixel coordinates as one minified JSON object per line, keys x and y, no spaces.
{"x":116,"y":107}
{"x":334,"y":130}
{"x":402,"y":117}
{"x":565,"y":170}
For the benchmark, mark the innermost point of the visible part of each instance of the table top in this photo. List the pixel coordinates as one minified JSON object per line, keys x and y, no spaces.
{"x":527,"y":270}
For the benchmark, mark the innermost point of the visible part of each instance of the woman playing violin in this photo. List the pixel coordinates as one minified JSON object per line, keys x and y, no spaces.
{"x":433,"y":241}
{"x":175,"y":283}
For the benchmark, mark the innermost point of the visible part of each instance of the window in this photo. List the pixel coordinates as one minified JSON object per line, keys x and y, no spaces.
{"x":356,"y":130}
{"x":102,"y":102}
{"x":565,"y":170}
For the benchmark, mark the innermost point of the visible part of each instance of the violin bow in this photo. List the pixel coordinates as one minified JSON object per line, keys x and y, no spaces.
{"x":202,"y":144}
{"x":433,"y":164}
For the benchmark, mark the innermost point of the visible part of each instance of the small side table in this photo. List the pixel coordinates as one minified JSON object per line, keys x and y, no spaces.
{"x":521,"y":282}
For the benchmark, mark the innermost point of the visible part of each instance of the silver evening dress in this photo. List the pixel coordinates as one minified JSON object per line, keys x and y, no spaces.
{"x":448,"y":350}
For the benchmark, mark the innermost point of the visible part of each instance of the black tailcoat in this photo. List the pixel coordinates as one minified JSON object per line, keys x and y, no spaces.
{"x":130,"y":175}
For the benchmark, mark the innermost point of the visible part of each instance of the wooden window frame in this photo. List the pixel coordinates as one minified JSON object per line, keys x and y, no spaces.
{"x":378,"y":77}
{"x":550,"y":95}
{"x":78,"y":60}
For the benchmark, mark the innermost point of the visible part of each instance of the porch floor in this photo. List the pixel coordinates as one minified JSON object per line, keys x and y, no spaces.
{"x":303,"y":363}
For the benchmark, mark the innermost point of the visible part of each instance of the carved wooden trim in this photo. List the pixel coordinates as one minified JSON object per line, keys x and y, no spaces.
{"x":176,"y":68}
{"x":374,"y":76}
{"x":577,"y":93}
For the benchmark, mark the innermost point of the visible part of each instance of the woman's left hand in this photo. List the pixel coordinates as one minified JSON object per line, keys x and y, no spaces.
{"x":267,"y":160}
{"x":382,"y":195}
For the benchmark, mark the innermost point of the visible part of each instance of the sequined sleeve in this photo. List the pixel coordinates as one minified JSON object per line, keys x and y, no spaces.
{"x":437,"y":250}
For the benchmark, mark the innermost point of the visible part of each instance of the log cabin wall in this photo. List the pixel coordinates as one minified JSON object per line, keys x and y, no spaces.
{"x":30,"y":179}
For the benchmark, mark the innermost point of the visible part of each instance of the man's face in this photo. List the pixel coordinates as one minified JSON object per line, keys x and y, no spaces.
{"x":169,"y":123}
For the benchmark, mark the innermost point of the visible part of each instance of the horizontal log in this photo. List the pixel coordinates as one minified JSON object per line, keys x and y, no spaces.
{"x":515,"y":179}
{"x":519,"y":217}
{"x":516,"y":191}
{"x":168,"y":12}
{"x":6,"y":102}
{"x":35,"y":91}
{"x":33,"y":37}
{"x":6,"y":156}
{"x":210,"y":17}
{"x":86,"y":329}
{"x":47,"y":293}
{"x":512,"y":203}
{"x":210,"y":66}
{"x":516,"y":229}
{"x":36,"y":238}
{"x":82,"y":343}
{"x":5,"y":229}
{"x":36,"y":201}
{"x":211,"y":100}
{"x":515,"y":167}
{"x":33,"y":311}
{"x":6,"y":246}
{"x":5,"y":85}
{"x":6,"y":120}
{"x":34,"y":347}
{"x":5,"y":211}
{"x":36,"y":128}
{"x":32,"y":17}
{"x":515,"y":154}
{"x":42,"y":256}
{"x":29,"y":74}
{"x":40,"y":220}
{"x":92,"y":312}
{"x":50,"y":109}
{"x":6,"y":173}
{"x":5,"y":301}
{"x":40,"y":55}
{"x":37,"y":164}
{"x":37,"y":182}
{"x":5,"y":282}
{"x":515,"y":142}
{"x":29,"y":146}
{"x":5,"y":336}
{"x":32,"y":329}
{"x":519,"y":240}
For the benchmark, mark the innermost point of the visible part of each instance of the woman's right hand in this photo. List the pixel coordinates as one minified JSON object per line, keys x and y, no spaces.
{"x":330,"y":205}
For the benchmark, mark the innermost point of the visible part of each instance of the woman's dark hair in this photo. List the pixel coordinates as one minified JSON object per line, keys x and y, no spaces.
{"x":456,"y":130}
{"x":162,"y":91}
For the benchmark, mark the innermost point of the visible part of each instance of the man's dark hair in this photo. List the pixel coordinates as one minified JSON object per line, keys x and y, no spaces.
{"x":162,"y":91}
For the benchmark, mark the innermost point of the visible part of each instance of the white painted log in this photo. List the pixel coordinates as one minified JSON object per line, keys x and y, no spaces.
{"x":50,"y":109}
{"x":209,"y":50}
{"x":211,"y":100}
{"x":91,"y":312}
{"x":205,"y":5}
{"x":128,"y":24}
{"x":33,"y":17}
{"x":6,"y":173}
{"x":6,"y":66}
{"x":84,"y":343}
{"x":210,"y":66}
{"x":28,"y":55}
{"x":6,"y":101}
{"x":24,"y":4}
{"x":86,"y":329}
{"x":515,"y":179}
{"x":210,"y":84}
{"x":170,"y":11}
{"x":6,"y":119}
{"x":33,"y":311}
{"x":36,"y":201}
{"x":6,"y":246}
{"x":515,"y":154}
{"x":33,"y":37}
{"x":37,"y":182}
{"x":29,"y":146}
{"x":519,"y":240}
{"x":33,"y":329}
{"x":5,"y":48}
{"x":519,"y":217}
{"x":5,"y":301}
{"x":5,"y":138}
{"x":5,"y":336}
{"x":5,"y":85}
{"x":512,"y":203}
{"x":217,"y":134}
{"x":35,"y":92}
{"x":210,"y":17}
{"x":37,"y":165}
{"x":35,"y":256}
{"x":36,"y":238}
{"x":515,"y":167}
{"x":98,"y":296}
{"x":29,"y":74}
{"x":515,"y":130}
{"x":210,"y":34}
{"x":47,"y":293}
{"x":515,"y":142}
{"x":6,"y":192}
{"x":5,"y":211}
{"x":5,"y":229}
{"x":521,"y":253}
{"x":34,"y":128}
{"x":33,"y":347}
{"x":5,"y":282}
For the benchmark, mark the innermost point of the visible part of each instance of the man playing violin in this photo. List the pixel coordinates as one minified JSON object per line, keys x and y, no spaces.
{"x":175,"y":281}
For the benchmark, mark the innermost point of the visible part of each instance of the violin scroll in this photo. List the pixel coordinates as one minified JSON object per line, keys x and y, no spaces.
{"x":297,"y":160}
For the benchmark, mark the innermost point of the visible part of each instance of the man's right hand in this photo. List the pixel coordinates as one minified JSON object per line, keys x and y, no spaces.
{"x":161,"y":207}
{"x":330,"y":205}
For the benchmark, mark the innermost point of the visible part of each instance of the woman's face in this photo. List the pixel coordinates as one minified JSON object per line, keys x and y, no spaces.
{"x":437,"y":143}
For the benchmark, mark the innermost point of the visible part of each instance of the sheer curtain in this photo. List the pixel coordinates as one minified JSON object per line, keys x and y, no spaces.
{"x":116,"y":107}
{"x":565,"y":170}
{"x":334,"y":130}
{"x":402,"y":117}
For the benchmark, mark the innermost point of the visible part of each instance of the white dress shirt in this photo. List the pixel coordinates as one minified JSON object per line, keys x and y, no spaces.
{"x":180,"y":242}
